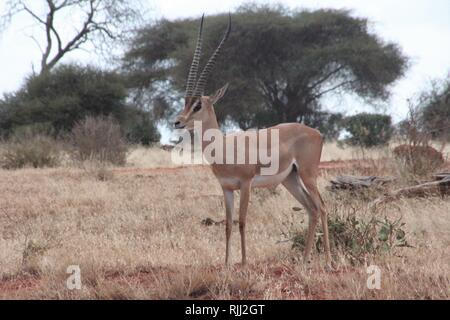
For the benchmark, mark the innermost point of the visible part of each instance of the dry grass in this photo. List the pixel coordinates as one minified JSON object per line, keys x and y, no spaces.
{"x":137,"y":234}
{"x":155,"y":157}
{"x":152,"y":157}
{"x":332,"y":151}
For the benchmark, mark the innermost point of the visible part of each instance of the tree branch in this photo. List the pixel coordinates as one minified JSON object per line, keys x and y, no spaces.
{"x":325,"y":78}
{"x":342,"y":84}
{"x":48,"y":28}
{"x":78,"y":39}
{"x":37,"y":43}
{"x":35,"y":16}
{"x":52,"y":27}
{"x":102,"y":18}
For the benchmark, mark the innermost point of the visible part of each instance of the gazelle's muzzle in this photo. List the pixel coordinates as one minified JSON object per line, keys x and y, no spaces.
{"x":179,"y":123}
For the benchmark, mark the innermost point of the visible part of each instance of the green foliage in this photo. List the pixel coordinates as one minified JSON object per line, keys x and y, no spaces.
{"x":329,"y":124}
{"x":369,"y":130}
{"x":28,"y":149}
{"x":141,"y":128}
{"x":359,"y":238}
{"x":60,"y":98}
{"x":65,"y":95}
{"x":278,"y":63}
{"x":98,"y":139}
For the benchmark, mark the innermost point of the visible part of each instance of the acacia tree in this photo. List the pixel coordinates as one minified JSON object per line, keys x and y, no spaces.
{"x":279,"y":63}
{"x":100,"y":22}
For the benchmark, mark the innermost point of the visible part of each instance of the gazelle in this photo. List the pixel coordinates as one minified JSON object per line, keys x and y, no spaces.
{"x":299,"y":151}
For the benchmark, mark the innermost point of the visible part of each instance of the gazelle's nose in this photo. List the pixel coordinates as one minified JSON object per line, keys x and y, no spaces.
{"x":178,"y":125}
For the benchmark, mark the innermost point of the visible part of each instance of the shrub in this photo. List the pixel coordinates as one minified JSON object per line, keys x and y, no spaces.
{"x":435,"y":108}
{"x":419,"y":160}
{"x":329,"y":124}
{"x":357,"y":237}
{"x":411,"y":130}
{"x":369,"y":130}
{"x":98,"y":139}
{"x":67,"y":94}
{"x":101,"y":171}
{"x":32,"y":255}
{"x":63,"y":96}
{"x":141,"y":129}
{"x":26,"y":149}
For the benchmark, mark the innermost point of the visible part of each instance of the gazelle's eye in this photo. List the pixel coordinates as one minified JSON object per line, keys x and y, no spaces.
{"x":197,"y":107}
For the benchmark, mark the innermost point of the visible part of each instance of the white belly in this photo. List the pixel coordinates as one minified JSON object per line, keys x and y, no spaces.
{"x":259,"y":181}
{"x":272,"y":180}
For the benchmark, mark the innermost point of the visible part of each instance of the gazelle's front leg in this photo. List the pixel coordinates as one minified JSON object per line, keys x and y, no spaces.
{"x":243,"y":206}
{"x":229,"y":208}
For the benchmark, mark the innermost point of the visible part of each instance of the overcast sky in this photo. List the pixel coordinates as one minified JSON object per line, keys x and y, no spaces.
{"x":420,"y":27}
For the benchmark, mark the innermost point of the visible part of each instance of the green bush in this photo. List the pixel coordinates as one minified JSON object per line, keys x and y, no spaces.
{"x":26,"y":149}
{"x":68,"y":94}
{"x":357,"y":237}
{"x":329,"y":124}
{"x":368,"y":130}
{"x":141,"y":129}
{"x":98,"y":139}
{"x":64,"y":96}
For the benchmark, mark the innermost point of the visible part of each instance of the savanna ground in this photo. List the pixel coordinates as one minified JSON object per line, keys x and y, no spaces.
{"x":137,"y":233}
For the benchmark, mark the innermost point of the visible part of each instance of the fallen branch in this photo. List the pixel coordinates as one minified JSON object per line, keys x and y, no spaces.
{"x":422,"y":189}
{"x":439,"y":187}
{"x":356,"y":182}
{"x":211,"y":222}
{"x":441,"y":175}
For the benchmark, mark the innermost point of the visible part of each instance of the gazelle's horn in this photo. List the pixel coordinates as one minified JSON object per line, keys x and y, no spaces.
{"x":200,"y":87}
{"x":192,"y":77}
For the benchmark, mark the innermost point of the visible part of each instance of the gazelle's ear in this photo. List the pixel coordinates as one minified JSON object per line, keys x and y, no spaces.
{"x":219,"y":94}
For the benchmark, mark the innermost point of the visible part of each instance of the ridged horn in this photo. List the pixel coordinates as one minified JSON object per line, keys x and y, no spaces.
{"x":200,"y":87}
{"x":192,"y":77}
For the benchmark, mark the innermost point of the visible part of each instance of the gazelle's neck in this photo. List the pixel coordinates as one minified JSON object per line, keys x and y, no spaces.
{"x":210,"y":123}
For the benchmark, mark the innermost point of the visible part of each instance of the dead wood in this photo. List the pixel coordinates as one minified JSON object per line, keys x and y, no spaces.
{"x":441,"y":186}
{"x":356,"y":182}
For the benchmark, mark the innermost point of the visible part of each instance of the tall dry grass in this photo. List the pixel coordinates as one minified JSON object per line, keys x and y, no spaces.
{"x":154,"y":157}
{"x":98,"y":139}
{"x":149,"y":157}
{"x":30,"y":150}
{"x":138,"y":234}
{"x":333,"y":151}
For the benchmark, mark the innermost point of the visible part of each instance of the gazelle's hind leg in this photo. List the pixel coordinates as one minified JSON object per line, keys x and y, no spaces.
{"x":311,"y":185}
{"x":296,"y":187}
{"x":305,"y":190}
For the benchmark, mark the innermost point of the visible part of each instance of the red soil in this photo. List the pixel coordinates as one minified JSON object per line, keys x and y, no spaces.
{"x":283,"y":275}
